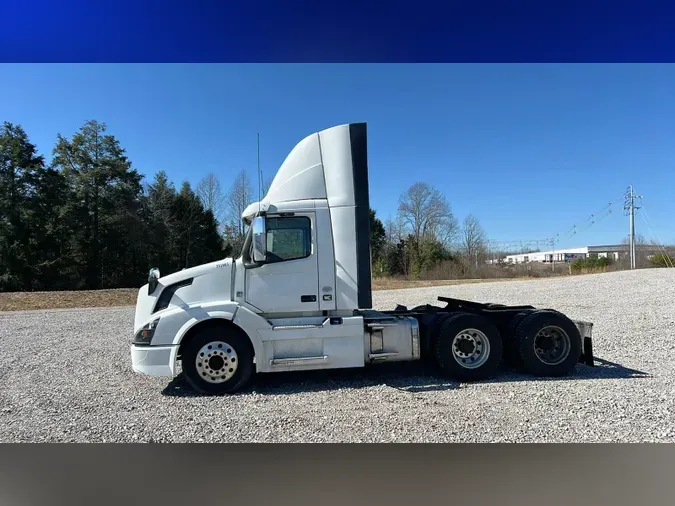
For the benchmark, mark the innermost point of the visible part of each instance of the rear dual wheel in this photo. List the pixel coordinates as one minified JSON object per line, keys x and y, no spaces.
{"x":511,"y":346}
{"x":467,"y":347}
{"x":547,"y":343}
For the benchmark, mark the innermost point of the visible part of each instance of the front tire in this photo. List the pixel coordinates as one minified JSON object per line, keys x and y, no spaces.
{"x":218,"y":360}
{"x":468,"y":347}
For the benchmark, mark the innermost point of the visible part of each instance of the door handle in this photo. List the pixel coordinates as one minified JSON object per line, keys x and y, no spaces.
{"x":308,"y":298}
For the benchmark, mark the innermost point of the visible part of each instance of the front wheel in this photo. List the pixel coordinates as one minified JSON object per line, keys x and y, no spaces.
{"x":468,"y":347}
{"x":218,"y":360}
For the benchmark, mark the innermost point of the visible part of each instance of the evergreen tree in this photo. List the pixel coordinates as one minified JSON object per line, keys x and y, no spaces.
{"x":103,"y":206}
{"x":48,"y":257}
{"x":378,"y":236}
{"x":158,"y":215}
{"x":19,"y":168}
{"x":196,"y":231}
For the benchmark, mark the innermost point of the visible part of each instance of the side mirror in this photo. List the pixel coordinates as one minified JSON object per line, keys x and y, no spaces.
{"x":153,"y":278}
{"x":259,"y":239}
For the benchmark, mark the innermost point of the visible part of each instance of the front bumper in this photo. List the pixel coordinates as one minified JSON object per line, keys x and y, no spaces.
{"x":154,"y":360}
{"x":586,"y":330}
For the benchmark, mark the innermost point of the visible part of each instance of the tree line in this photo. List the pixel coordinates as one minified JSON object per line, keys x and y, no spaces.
{"x":86,"y":220}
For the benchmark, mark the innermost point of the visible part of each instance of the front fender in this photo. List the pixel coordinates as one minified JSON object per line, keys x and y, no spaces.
{"x":176,"y":323}
{"x":185,"y":328}
{"x":177,"y":320}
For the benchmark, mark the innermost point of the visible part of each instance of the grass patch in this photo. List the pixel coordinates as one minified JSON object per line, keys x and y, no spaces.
{"x":23,"y":301}
{"x":386,"y":283}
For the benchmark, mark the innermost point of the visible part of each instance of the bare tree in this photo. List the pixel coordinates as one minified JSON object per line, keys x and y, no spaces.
{"x":426,"y":214}
{"x":238,"y":199}
{"x":474,"y":241}
{"x":394,"y":230}
{"x":211,"y":196}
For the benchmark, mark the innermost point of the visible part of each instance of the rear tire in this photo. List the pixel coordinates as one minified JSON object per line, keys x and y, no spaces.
{"x":549,"y":343}
{"x":218,"y":360}
{"x":468,"y":347}
{"x":429,"y":336}
{"x":510,"y":339}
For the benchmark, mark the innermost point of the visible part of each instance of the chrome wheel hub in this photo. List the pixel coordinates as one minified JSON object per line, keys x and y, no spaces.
{"x":216,"y":362}
{"x":470,"y":348}
{"x":552,"y":345}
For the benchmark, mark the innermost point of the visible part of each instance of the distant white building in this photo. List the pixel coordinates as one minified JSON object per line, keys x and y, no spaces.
{"x":568,"y":254}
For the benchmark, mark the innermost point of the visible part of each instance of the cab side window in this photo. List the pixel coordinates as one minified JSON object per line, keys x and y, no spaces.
{"x":288,"y":238}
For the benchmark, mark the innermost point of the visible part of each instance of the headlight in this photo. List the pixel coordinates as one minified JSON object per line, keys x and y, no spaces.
{"x":144,"y":336}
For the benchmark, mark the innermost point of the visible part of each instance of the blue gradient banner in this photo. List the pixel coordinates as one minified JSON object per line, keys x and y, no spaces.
{"x":348,"y":31}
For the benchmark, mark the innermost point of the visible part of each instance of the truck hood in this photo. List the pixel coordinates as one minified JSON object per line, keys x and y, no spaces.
{"x":193,"y":272}
{"x":210,"y":282}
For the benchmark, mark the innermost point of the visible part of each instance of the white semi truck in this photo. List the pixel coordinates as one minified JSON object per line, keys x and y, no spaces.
{"x":299,"y":296}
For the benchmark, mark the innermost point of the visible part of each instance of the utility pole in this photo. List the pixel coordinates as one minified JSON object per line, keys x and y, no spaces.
{"x":630,"y":207}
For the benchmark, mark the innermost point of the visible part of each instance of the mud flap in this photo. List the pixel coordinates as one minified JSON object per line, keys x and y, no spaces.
{"x":586,"y":329}
{"x":587,"y":355}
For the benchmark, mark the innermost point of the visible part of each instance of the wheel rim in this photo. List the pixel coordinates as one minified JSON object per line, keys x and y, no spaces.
{"x":470,"y":348}
{"x":552,"y":345}
{"x":216,"y":362}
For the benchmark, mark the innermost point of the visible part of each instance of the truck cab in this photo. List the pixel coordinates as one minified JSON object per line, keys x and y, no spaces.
{"x":299,"y":296}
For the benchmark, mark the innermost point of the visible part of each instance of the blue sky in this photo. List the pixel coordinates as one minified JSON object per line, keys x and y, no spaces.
{"x":531,"y":150}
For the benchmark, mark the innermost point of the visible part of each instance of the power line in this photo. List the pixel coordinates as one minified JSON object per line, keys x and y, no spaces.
{"x":632,"y":202}
{"x":526,"y":245}
{"x":595,"y":218}
{"x":575,"y":229}
{"x":590,"y":220}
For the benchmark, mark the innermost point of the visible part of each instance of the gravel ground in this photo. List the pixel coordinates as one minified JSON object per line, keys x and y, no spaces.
{"x":65,"y":375}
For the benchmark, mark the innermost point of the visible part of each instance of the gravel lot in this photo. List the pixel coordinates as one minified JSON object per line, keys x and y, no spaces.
{"x":65,"y":375}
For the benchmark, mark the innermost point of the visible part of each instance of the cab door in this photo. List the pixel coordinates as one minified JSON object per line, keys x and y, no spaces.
{"x":288,"y":280}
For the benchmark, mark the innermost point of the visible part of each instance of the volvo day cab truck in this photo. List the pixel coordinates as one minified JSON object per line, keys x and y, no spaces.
{"x":299,"y":297}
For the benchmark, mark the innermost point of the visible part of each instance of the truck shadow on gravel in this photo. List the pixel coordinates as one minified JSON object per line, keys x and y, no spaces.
{"x":408,"y":377}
